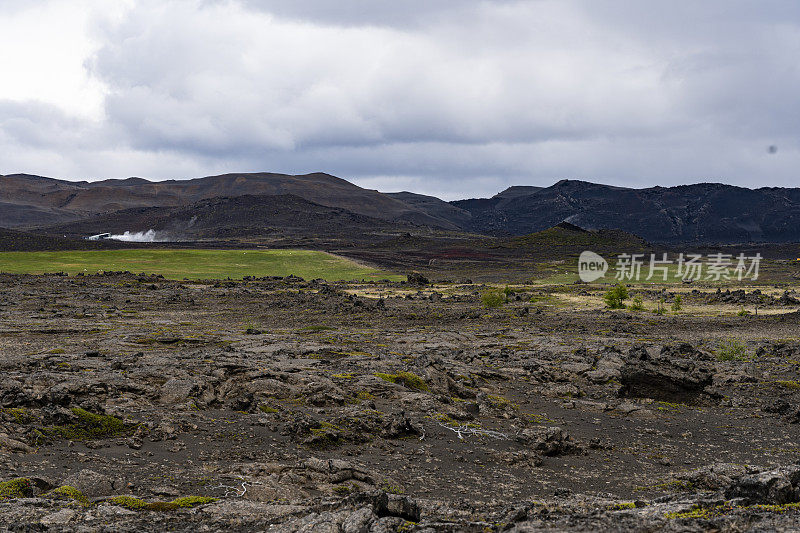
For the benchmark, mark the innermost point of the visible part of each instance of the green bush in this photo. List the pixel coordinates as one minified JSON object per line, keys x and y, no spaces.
{"x":616,"y":296}
{"x":732,"y":350}
{"x":493,"y":299}
{"x":637,"y":304}
{"x":676,"y":304}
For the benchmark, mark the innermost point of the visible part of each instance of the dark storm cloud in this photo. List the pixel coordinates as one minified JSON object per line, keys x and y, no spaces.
{"x":458,"y":98}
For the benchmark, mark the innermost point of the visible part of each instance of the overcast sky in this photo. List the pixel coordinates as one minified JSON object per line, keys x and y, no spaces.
{"x":455,"y":98}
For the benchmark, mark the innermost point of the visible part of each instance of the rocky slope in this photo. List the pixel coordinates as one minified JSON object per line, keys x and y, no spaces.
{"x":134,"y":403}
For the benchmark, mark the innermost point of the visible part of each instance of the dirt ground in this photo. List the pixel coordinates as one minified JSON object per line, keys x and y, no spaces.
{"x":134,"y":403}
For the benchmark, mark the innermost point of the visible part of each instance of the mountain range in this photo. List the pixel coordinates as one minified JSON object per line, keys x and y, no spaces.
{"x":321,"y":204}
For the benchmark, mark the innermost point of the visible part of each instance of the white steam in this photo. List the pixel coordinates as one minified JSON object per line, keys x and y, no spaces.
{"x":139,"y":236}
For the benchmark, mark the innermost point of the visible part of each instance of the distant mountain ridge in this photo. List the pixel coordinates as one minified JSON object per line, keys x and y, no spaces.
{"x":699,"y":213}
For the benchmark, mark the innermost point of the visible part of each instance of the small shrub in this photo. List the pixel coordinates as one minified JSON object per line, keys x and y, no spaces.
{"x":637,"y":304}
{"x":676,"y":304}
{"x":493,"y":299}
{"x":616,"y":296}
{"x":732,"y":350}
{"x":743,"y":312}
{"x":660,"y":309}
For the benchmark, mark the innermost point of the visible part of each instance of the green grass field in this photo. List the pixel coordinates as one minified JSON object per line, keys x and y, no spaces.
{"x":194,"y":264}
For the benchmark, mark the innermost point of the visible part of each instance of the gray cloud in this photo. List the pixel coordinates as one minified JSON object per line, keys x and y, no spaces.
{"x":452,"y":98}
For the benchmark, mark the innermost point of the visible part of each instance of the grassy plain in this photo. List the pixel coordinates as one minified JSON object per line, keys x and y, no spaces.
{"x":194,"y":264}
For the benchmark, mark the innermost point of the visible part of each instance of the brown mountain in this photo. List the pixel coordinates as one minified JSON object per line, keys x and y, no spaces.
{"x":263,"y":217}
{"x":36,"y":201}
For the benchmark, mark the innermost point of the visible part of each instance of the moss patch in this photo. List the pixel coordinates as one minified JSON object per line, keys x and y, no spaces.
{"x":406,"y":379}
{"x":20,"y":415}
{"x":67,"y":492}
{"x":136,"y":504}
{"x":16,"y":488}
{"x":89,"y":426}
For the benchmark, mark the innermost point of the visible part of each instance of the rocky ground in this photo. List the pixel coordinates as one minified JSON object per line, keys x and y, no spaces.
{"x":134,"y":403}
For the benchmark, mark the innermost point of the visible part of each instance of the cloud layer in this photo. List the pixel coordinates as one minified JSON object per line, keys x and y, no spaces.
{"x":453,"y":98}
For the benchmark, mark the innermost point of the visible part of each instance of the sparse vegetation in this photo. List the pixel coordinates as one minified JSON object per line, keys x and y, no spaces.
{"x":677,"y":303}
{"x":637,"y":304}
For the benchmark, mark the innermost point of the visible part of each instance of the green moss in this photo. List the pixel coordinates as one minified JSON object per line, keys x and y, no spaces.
{"x":389,"y":487}
{"x":702,"y":512}
{"x":792,"y":385}
{"x":89,"y":426}
{"x":20,"y":415}
{"x":622,"y":506}
{"x":267,"y":409}
{"x":16,"y":488}
{"x":499,"y":402}
{"x":538,"y":418}
{"x":128,"y":502}
{"x":66,"y":492}
{"x":407,"y":379}
{"x":444,"y":419}
{"x":778,"y":508}
{"x":192,"y":501}
{"x":364,"y":395}
{"x":136,"y":504}
{"x":344,"y":490}
{"x":325,"y":436}
{"x":346,"y":375}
